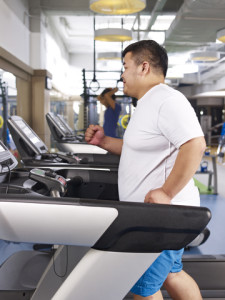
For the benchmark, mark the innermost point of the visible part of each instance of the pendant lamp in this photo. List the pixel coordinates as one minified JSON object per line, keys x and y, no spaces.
{"x":113,"y":35}
{"x":117,"y":7}
{"x":221,"y":35}
{"x":205,"y":56}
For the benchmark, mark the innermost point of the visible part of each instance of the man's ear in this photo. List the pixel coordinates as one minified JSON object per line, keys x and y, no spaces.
{"x":145,"y":67}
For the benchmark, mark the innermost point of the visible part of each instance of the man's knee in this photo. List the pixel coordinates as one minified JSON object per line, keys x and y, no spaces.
{"x":171,"y":277}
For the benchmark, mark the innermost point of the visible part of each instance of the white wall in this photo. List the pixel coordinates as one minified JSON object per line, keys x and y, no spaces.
{"x":79,"y":62}
{"x":14,"y":34}
{"x":57,"y":62}
{"x":41,"y":47}
{"x":20,"y":8}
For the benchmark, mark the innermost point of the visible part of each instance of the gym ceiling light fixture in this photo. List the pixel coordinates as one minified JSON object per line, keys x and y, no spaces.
{"x":221,"y":35}
{"x":205,"y":56}
{"x":117,"y":7}
{"x":113,"y":35}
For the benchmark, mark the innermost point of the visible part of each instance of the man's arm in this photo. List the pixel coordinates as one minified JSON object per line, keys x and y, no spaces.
{"x":112,"y":145}
{"x":186,"y":164}
{"x":94,"y":135}
{"x":109,"y":99}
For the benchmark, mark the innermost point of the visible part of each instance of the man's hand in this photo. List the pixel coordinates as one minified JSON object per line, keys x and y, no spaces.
{"x":112,"y":91}
{"x":94,"y":135}
{"x":157,"y":196}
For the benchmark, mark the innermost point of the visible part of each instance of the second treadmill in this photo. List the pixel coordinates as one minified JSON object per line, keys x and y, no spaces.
{"x":34,"y":153}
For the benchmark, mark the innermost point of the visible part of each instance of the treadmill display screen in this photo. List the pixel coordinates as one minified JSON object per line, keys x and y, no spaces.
{"x":60,"y":125}
{"x":32,"y":137}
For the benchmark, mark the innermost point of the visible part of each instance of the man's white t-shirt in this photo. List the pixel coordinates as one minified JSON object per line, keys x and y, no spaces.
{"x":162,"y":121}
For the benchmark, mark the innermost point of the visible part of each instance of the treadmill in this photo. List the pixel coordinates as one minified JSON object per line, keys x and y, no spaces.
{"x":65,"y":138}
{"x":79,"y":137}
{"x":96,"y":242}
{"x":80,"y":182}
{"x":34,"y":153}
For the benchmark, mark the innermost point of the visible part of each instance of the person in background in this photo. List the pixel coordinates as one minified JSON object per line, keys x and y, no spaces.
{"x":112,"y":112}
{"x":159,"y":154}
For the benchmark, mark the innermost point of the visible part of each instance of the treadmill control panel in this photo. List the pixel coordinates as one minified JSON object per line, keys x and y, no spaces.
{"x":30,"y":146}
{"x":28,"y":143}
{"x":30,"y":134}
{"x":57,"y":123}
{"x":7,"y":159}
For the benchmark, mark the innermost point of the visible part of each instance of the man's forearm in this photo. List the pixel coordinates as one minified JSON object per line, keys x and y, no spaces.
{"x":110,"y":101}
{"x":112,"y":145}
{"x":186,"y":164}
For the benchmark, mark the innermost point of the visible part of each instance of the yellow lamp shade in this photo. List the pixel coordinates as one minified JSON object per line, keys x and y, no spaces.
{"x":113,"y":35}
{"x":205,"y":56}
{"x":221,"y":35}
{"x":117,"y":7}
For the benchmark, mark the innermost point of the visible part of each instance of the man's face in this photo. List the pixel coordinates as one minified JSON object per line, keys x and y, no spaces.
{"x":130,"y":76}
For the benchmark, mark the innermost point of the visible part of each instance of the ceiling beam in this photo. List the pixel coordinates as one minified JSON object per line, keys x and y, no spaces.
{"x":154,"y":14}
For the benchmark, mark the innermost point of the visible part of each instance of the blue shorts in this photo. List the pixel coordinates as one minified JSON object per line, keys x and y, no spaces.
{"x":169,"y":261}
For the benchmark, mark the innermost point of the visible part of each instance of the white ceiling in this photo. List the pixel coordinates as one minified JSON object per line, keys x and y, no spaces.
{"x":194,"y":27}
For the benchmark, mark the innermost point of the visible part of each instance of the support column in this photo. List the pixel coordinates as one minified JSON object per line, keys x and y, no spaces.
{"x":24,"y":99}
{"x":40,"y":105}
{"x":70,"y":113}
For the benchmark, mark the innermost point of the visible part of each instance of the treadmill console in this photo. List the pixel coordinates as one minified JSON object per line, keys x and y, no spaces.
{"x":7,"y":159}
{"x":58,"y":128}
{"x":63,"y":122}
{"x":27,"y":141}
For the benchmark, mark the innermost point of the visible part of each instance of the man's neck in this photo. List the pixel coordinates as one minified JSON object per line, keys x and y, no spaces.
{"x":150,"y":86}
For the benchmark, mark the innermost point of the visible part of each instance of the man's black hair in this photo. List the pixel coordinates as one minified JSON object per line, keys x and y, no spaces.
{"x":151,"y":51}
{"x":106,"y":91}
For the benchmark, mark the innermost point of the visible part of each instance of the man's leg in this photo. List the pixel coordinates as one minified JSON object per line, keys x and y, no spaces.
{"x":152,"y":280}
{"x":181,"y":286}
{"x":156,"y":296}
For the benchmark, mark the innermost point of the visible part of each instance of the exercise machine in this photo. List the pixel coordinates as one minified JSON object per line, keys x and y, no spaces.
{"x":66,"y":140}
{"x":60,"y":129}
{"x":112,"y":241}
{"x":34,"y":153}
{"x":80,"y":183}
